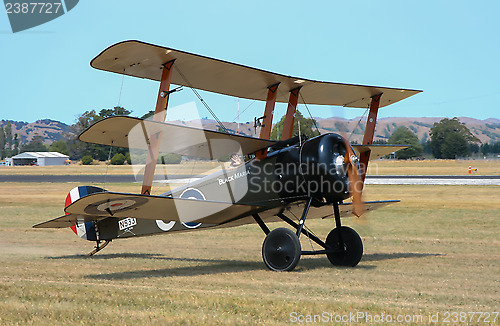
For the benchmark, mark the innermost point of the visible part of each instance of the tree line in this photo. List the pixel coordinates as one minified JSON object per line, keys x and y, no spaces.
{"x":449,"y":139}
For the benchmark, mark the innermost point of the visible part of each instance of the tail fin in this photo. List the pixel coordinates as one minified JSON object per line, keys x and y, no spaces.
{"x":83,"y":230}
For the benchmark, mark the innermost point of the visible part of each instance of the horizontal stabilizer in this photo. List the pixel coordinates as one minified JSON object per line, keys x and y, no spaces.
{"x":136,"y":133}
{"x":143,"y":60}
{"x":378,"y":151}
{"x":99,"y":206}
{"x":66,"y":221}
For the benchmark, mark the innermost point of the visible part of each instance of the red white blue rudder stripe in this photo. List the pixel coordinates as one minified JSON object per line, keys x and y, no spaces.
{"x":83,"y":230}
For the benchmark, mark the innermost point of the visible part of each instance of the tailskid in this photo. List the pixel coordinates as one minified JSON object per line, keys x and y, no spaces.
{"x":99,"y":247}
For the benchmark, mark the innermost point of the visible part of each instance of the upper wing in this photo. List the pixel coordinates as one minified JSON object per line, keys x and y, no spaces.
{"x":99,"y":206}
{"x":139,"y":59}
{"x":135,"y":133}
{"x":377,"y":151}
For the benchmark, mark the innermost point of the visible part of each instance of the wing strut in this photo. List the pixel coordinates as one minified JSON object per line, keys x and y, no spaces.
{"x":368,"y":136}
{"x":154,"y":141}
{"x":290,"y":114}
{"x":267,"y":122}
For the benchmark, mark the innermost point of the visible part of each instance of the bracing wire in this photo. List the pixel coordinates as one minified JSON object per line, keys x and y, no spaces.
{"x":307,"y":108}
{"x":243,"y":111}
{"x":305,"y":226}
{"x":121,"y":87}
{"x":107,"y":166}
{"x":201,"y":100}
{"x":359,"y":122}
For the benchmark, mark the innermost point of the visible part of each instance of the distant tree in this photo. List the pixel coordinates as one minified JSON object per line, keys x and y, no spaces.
{"x":116,"y":111}
{"x":8,"y":139}
{"x":454,"y":146}
{"x":78,"y":149}
{"x":59,"y":146}
{"x":441,"y":139}
{"x":485,"y":148}
{"x":495,"y":148}
{"x":2,"y":143}
{"x":16,"y":145}
{"x":87,"y":160}
{"x":427,"y":147}
{"x":474,"y":148}
{"x":404,"y":136}
{"x":118,"y":159}
{"x":148,"y":115}
{"x":170,"y":159}
{"x":307,"y":127}
{"x":492,"y":148}
{"x":35,"y":145}
{"x":85,"y":120}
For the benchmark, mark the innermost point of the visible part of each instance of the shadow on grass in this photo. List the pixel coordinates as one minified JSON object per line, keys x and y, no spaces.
{"x":151,"y":256}
{"x":211,"y":268}
{"x":204,"y":266}
{"x":395,"y":255}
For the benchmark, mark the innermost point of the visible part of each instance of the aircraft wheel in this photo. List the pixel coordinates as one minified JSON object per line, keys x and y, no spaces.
{"x":353,"y":247}
{"x":281,"y":250}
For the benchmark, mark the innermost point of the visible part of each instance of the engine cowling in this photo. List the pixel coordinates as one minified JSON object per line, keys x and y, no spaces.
{"x":322,"y":161}
{"x":314,"y":168}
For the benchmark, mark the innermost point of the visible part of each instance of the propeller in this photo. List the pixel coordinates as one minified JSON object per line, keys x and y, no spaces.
{"x":355,"y":182}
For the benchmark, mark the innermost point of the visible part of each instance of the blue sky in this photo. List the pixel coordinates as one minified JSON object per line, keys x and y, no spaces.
{"x":448,"y":49}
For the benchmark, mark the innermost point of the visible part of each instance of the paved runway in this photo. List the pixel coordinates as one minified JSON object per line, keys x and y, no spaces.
{"x":489,"y":180}
{"x":371,"y":179}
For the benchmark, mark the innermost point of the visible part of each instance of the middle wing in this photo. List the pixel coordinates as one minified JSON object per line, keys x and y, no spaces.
{"x":99,"y":206}
{"x":135,"y":133}
{"x":377,"y":150}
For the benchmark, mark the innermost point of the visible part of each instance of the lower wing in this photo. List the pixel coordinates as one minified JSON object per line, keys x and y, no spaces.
{"x":295,"y":210}
{"x":103,"y":205}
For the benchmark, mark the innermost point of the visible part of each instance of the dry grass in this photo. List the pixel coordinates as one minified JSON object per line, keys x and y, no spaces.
{"x":434,"y":167}
{"x":436,"y":251}
{"x":76,"y":169}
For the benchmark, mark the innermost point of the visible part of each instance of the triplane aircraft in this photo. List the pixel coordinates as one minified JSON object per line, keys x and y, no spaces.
{"x":295,"y":176}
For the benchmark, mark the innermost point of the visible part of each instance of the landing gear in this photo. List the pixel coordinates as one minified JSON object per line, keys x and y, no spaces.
{"x":347,"y":252}
{"x":281,"y":250}
{"x":345,"y":245}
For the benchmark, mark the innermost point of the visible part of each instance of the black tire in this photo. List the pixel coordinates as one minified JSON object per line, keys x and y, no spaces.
{"x":281,"y":250}
{"x":353,"y":247}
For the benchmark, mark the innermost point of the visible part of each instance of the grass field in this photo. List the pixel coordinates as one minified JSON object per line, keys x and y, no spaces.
{"x":377,"y":167}
{"x":436,"y":252}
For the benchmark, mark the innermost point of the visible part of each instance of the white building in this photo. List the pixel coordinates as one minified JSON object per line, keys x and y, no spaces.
{"x":40,"y":158}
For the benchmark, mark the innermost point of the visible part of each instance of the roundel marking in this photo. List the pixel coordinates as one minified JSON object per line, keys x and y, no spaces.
{"x":115,"y":205}
{"x":165,"y":226}
{"x":192,"y":193}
